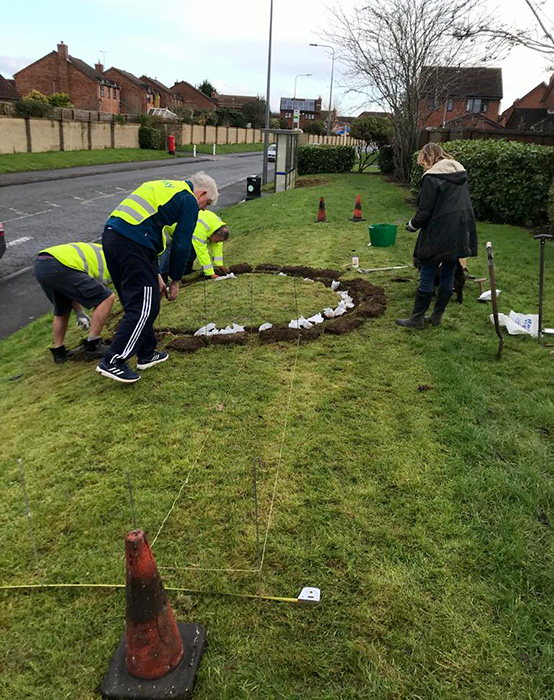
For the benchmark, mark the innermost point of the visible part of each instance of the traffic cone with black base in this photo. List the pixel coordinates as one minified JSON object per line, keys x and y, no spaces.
{"x":156,"y":657}
{"x":357,"y":214}
{"x":321,"y":213}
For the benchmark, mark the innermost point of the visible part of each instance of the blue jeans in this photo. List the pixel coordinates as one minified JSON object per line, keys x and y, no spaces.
{"x":427,"y":276}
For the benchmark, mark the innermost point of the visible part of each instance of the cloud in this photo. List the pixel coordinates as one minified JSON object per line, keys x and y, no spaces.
{"x":11,"y":64}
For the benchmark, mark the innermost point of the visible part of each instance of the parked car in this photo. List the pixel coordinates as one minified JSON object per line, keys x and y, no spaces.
{"x":2,"y":240}
{"x":272,"y":152}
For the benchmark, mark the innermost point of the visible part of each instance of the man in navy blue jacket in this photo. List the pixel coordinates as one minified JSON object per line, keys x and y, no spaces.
{"x":132,"y":241}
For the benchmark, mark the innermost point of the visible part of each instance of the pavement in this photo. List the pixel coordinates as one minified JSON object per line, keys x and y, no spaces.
{"x":63,"y":209}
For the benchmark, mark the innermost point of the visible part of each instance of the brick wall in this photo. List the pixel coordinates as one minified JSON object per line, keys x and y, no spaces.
{"x":192,"y":97}
{"x":459,"y":109}
{"x":133,"y":97}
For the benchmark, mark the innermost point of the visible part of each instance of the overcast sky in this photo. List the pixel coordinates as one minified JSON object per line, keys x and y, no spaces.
{"x":220,"y":40}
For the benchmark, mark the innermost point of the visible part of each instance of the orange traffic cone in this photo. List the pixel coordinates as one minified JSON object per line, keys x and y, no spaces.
{"x":157,"y":657}
{"x":357,"y":214}
{"x":321,"y":214}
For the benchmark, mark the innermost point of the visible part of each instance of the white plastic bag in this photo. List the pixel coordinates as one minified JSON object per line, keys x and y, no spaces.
{"x":265,"y":326}
{"x":316,"y":318}
{"x":335,"y":285}
{"x":207,"y":330}
{"x":487,"y":296}
{"x":530,"y":322}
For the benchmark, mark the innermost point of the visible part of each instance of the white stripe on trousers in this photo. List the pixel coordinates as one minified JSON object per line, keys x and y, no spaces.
{"x":145,"y":312}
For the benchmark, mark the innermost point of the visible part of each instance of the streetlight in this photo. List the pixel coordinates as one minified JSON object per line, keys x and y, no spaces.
{"x":326,"y":46}
{"x":300,"y":75}
{"x":267,"y":98}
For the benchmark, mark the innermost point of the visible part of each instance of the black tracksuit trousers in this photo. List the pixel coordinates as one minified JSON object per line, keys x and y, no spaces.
{"x":134,"y":272}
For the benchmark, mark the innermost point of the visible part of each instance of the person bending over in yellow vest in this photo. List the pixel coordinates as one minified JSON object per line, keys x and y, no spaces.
{"x":207,"y":245}
{"x":132,"y":240}
{"x":73,"y":275}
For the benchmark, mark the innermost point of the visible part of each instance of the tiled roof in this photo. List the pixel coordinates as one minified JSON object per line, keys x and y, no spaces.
{"x":463,"y":82}
{"x":132,"y":78}
{"x":89,"y":71}
{"x":8,"y":91}
{"x":523,"y":118}
{"x":156,"y":83}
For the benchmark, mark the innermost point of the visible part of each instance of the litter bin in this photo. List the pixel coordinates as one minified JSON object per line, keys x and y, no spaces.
{"x":382,"y":235}
{"x":253,"y":187}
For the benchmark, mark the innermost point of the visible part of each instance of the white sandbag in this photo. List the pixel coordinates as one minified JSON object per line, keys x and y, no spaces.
{"x":335,"y":285}
{"x":265,"y":326}
{"x":340,"y":310}
{"x":487,"y":296}
{"x":528,"y":321}
{"x":207,"y":330}
{"x":329,"y":313}
{"x":282,"y":274}
{"x":510,"y":325}
{"x":230,"y":276}
{"x":316,"y":318}
{"x":307,"y":279}
{"x":235,"y":328}
{"x":226,"y":331}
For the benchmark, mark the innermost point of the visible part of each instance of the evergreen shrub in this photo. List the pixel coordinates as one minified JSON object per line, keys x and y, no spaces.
{"x":325,"y":159}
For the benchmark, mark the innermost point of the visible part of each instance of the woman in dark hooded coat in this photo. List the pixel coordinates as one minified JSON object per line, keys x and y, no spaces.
{"x":448,"y":231}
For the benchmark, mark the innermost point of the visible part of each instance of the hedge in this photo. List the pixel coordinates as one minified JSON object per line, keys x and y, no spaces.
{"x":551,"y":206}
{"x":385,"y":160}
{"x":150,"y":138}
{"x":508,"y":181}
{"x":325,"y":159}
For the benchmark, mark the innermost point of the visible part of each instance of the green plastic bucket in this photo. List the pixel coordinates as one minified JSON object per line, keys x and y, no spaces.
{"x":382,"y":235}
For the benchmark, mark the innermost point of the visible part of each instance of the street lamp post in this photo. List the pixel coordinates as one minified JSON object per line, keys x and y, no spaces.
{"x":268,"y":96}
{"x":326,"y":46}
{"x":300,"y":75}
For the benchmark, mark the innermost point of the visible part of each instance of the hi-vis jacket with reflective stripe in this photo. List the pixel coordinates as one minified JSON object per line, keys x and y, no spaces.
{"x":206,"y":250}
{"x":142,"y":215}
{"x":86,"y":257}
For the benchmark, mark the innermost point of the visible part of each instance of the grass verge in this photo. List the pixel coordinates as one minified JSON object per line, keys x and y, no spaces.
{"x":21,"y":162}
{"x":424,"y":516}
{"x":223,"y":148}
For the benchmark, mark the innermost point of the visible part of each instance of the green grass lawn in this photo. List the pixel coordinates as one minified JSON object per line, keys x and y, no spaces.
{"x":20,"y":162}
{"x":222,"y":148}
{"x":425,"y":517}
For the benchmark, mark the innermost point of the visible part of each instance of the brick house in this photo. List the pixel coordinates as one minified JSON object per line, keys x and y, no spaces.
{"x":532,"y":111}
{"x":452,"y":93}
{"x":87,"y":87}
{"x":8,"y":91}
{"x":136,"y":95}
{"x":234,"y":103}
{"x":310,"y":111}
{"x":167,"y":98}
{"x":190,"y":97}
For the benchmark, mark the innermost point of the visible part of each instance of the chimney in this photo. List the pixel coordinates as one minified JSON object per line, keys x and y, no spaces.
{"x":62,"y":51}
{"x":99,"y":67}
{"x":63,"y":71}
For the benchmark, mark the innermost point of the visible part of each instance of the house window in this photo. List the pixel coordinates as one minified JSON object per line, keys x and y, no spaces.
{"x":450,"y":104}
{"x":477,"y":105}
{"x":101,"y":91}
{"x":433,"y":104}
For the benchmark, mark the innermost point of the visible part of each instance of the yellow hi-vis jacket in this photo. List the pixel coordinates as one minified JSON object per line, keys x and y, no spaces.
{"x":207,"y":252}
{"x":86,"y":257}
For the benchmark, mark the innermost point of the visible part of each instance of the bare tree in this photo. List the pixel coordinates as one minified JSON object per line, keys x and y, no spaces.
{"x":538,"y":36}
{"x":389,"y":46}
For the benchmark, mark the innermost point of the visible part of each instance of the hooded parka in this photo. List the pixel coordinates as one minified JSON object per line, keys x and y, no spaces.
{"x":444,"y":215}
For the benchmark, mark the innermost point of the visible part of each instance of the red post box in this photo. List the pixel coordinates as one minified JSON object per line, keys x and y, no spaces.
{"x":171,"y":144}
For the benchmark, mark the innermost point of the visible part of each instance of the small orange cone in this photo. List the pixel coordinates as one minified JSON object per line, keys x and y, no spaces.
{"x":357,"y":214}
{"x":157,"y":655}
{"x":321,"y":214}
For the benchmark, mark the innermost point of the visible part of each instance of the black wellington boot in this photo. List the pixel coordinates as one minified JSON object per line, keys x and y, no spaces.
{"x":443,"y":297}
{"x":94,"y":349}
{"x":421,"y":304}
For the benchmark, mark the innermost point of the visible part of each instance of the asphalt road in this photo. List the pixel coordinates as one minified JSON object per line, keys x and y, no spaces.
{"x":42,"y":214}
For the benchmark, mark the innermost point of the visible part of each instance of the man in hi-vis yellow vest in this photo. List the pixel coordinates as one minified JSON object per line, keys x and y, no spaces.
{"x":76,"y":272}
{"x":132,"y":240}
{"x":207,"y":245}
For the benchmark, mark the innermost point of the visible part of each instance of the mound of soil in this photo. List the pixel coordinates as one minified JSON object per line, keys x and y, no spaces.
{"x":310,"y":182}
{"x":187,"y":343}
{"x":268,"y":267}
{"x":240,"y":268}
{"x":279,"y":332}
{"x":230,"y":339}
{"x":344,"y":324}
{"x":371,"y":308}
{"x":313,"y":273}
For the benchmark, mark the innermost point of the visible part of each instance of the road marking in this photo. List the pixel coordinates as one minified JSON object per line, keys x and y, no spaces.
{"x":18,"y":241}
{"x":16,"y":210}
{"x":26,"y":216}
{"x":51,"y":204}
